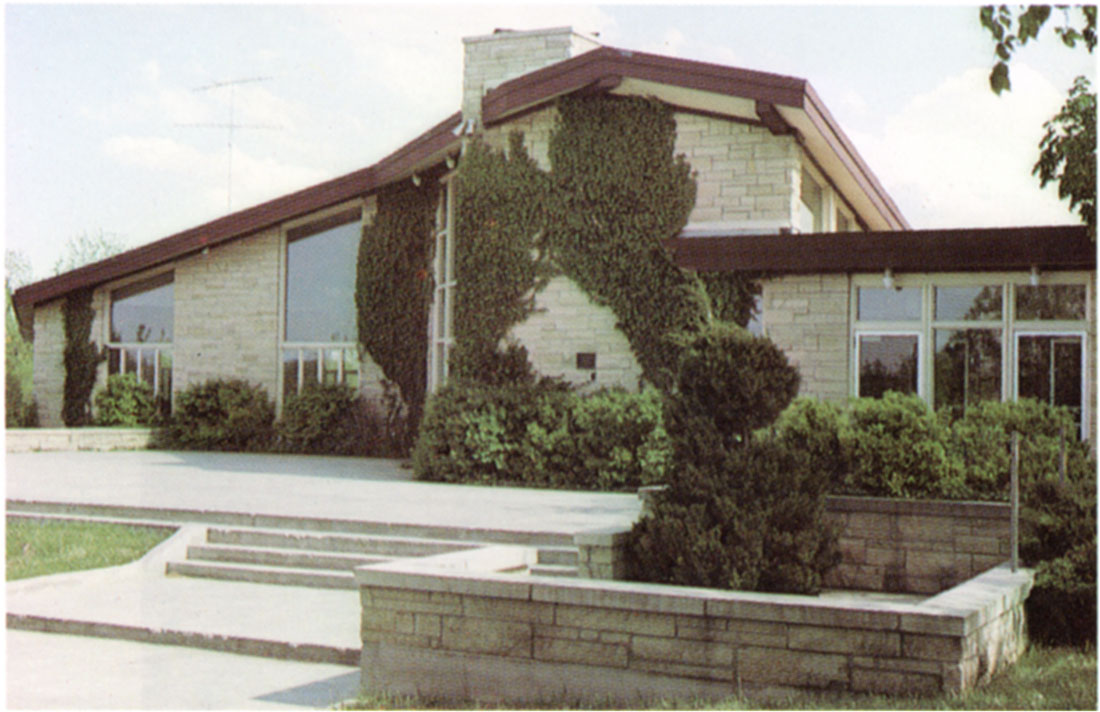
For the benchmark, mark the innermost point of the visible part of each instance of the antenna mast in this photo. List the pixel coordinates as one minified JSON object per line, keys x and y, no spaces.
{"x":230,"y":126}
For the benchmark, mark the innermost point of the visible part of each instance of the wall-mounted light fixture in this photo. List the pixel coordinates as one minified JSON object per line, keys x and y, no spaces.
{"x":450,"y":163}
{"x":416,"y":180}
{"x":1033,"y":278}
{"x":888,"y":278}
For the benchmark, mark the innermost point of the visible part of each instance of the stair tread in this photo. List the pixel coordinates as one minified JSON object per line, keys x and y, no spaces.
{"x":227,"y":565}
{"x":320,"y":554}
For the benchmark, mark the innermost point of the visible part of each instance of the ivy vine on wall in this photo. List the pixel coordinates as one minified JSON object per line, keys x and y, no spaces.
{"x":393,"y":288}
{"x":80,"y":358}
{"x":623,"y":192}
{"x":503,"y":204}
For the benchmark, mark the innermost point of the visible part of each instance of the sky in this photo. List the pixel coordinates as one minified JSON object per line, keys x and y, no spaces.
{"x":107,"y":107}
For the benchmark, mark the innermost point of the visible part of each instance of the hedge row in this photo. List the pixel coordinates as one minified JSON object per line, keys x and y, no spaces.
{"x":539,"y":433}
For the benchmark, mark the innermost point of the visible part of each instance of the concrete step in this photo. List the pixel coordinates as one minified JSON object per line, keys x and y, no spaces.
{"x":280,"y":521}
{"x":374,"y":545}
{"x":255,"y":573}
{"x":288,"y":558}
{"x":45,"y":516}
{"x":554,"y":570}
{"x":558,"y":555}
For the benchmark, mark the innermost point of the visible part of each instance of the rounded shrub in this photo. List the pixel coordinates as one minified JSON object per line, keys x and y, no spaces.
{"x":319,"y":420}
{"x":895,"y":446}
{"x":740,"y":381}
{"x":125,"y":401}
{"x":231,"y":415}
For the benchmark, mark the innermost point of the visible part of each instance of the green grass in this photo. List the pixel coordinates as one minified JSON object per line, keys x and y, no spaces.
{"x":1044,"y":679}
{"x":40,"y":547}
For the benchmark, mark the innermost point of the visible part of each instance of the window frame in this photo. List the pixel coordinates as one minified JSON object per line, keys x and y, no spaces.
{"x":1008,"y":328}
{"x":132,"y":288}
{"x":293,"y":231}
{"x":858,"y":349}
{"x":441,"y":331}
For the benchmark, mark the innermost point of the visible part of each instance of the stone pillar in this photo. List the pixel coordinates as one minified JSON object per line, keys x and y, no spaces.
{"x":600,"y":553}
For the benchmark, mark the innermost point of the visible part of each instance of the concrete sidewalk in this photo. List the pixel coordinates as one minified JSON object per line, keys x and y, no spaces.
{"x":138,"y":602}
{"x":356,"y":489}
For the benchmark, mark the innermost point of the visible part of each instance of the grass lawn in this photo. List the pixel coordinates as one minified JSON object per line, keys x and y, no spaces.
{"x":40,"y":547}
{"x":1045,"y":678}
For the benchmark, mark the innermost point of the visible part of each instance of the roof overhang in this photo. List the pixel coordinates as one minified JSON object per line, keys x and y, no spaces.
{"x":780,"y":103}
{"x":964,"y":250}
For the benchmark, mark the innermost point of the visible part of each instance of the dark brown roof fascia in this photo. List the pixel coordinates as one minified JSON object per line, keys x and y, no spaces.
{"x":829,"y":128}
{"x":572,"y":74}
{"x":246,"y":222}
{"x":962,"y":250}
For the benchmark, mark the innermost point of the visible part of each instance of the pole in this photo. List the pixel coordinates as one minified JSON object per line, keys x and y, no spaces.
{"x":1015,"y":494}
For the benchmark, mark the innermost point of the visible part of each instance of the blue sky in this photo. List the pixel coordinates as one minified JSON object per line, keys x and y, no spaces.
{"x":98,"y":98}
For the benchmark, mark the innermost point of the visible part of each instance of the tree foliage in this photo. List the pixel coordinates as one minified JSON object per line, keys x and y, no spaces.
{"x":1067,"y":152}
{"x":85,"y":248}
{"x":80,"y":357}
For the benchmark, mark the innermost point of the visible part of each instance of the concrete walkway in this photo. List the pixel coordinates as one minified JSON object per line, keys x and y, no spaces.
{"x":138,"y":602}
{"x":369,"y":490}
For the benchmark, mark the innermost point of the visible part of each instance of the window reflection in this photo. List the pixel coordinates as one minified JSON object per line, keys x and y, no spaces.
{"x":968,"y":303}
{"x":887,"y":363}
{"x":967,"y":366}
{"x":1050,"y":301}
{"x":320,"y":286}
{"x":882,"y":304}
{"x":1049,"y":370}
{"x":142,"y":312}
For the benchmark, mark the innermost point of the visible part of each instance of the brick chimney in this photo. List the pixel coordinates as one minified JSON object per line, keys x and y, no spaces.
{"x":506,"y":54}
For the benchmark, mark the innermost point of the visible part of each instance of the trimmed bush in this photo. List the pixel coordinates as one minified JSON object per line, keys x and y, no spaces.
{"x":228,"y":415}
{"x":747,"y":518}
{"x":125,"y":401}
{"x":896,"y":447}
{"x":540,"y":434}
{"x":739,"y":381}
{"x":334,"y":420}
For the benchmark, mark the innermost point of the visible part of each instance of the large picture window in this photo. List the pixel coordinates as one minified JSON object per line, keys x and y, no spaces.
{"x":141,"y":325}
{"x":320,"y":331}
{"x":958,"y":340}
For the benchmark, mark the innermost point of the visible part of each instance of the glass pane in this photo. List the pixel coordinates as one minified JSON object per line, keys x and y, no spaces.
{"x":810,"y":205}
{"x":142,"y":313}
{"x":441,"y":314}
{"x":968,"y":303}
{"x":330,"y":375}
{"x":351,"y":368}
{"x":967,"y":366}
{"x":887,"y":363}
{"x":1049,"y":370}
{"x":130,"y":361}
{"x":290,"y":373}
{"x":1050,"y":301}
{"x":882,"y":304}
{"x":320,"y":286}
{"x":309,"y":367}
{"x":756,"y":322}
{"x":148,"y":367}
{"x":165,"y":374}
{"x":443,"y":196}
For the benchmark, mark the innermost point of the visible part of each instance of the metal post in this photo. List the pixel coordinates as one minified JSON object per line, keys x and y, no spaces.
{"x":1062,"y":455}
{"x":1015,"y":495}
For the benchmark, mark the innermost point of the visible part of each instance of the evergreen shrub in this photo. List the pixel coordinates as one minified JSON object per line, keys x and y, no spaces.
{"x":538,"y":433}
{"x":125,"y":401}
{"x":231,"y":415}
{"x":750,"y":517}
{"x":318,"y":421}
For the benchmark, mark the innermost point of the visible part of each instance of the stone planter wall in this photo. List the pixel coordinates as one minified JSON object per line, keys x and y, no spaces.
{"x":458,"y":626}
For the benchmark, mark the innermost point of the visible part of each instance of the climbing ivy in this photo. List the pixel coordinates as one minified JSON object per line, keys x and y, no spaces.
{"x":623,"y":192}
{"x":80,"y":357}
{"x":393,"y":288}
{"x":732,"y":295}
{"x":502,"y":207}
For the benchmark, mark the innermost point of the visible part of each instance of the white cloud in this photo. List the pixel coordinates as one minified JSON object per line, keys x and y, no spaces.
{"x":960,"y":156}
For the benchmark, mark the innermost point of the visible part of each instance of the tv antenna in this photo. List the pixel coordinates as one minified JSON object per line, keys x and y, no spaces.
{"x":230,"y":126}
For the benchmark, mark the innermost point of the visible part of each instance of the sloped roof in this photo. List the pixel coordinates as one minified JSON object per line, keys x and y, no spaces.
{"x":780,"y":103}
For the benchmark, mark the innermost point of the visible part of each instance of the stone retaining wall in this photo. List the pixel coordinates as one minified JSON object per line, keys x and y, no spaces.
{"x":916,"y":546}
{"x":458,"y":626}
{"x":40,"y":439}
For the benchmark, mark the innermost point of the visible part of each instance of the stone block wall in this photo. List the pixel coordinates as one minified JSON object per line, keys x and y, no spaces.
{"x":745,"y":175}
{"x":916,"y":546}
{"x":49,"y":366}
{"x":463,"y":633}
{"x":807,"y":317}
{"x":568,"y":322}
